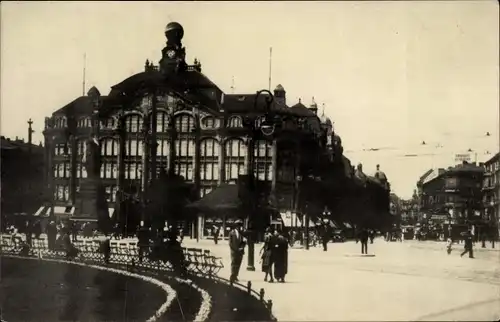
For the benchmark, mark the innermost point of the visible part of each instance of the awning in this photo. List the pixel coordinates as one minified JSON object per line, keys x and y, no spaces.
{"x":224,"y":197}
{"x":64,"y":211}
{"x":42,"y":212}
{"x":347,"y":225}
{"x":311,"y":223}
{"x":39,"y":211}
{"x":286,"y":218}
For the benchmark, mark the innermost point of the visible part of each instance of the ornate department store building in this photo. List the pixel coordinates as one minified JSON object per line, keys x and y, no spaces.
{"x":201,"y":133}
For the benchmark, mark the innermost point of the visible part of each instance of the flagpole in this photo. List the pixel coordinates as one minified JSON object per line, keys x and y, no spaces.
{"x":270,"y":66}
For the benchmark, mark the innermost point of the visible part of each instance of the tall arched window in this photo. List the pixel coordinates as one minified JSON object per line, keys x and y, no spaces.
{"x":235,"y":121}
{"x":161,"y":122}
{"x":236,"y":152}
{"x":209,"y":160}
{"x":133,"y":147}
{"x":108,"y":123}
{"x":162,"y":153}
{"x":133,"y":123}
{"x":185,"y":152}
{"x":209,"y":122}
{"x":109,"y":147}
{"x":184,"y":123}
{"x":263,"y":160}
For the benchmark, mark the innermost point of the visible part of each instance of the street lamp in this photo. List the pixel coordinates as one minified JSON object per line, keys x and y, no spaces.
{"x":266,"y":126}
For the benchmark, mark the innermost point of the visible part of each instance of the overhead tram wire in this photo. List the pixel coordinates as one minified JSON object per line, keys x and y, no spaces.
{"x":427,"y":148}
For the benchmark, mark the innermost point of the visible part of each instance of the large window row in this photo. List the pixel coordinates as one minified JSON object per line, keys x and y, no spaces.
{"x":209,"y":171}
{"x":185,"y":148}
{"x":109,"y":170}
{"x":184,"y":123}
{"x":184,"y":169}
{"x":61,"y":193}
{"x":61,"y":149}
{"x":109,"y":147}
{"x":81,"y":171}
{"x":62,"y":170}
{"x":60,"y":122}
{"x":111,"y":193}
{"x":263,"y":171}
{"x":209,"y":148}
{"x":133,"y":170}
{"x":84,"y":122}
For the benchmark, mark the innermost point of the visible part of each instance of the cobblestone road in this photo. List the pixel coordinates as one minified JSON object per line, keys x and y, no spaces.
{"x":403,"y":281}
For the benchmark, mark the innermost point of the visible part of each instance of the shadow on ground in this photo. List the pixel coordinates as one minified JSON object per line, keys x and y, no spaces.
{"x":34,"y":290}
{"x":37,"y":290}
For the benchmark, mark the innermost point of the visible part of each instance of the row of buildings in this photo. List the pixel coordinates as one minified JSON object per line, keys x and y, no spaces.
{"x":172,"y":118}
{"x":462,"y":195}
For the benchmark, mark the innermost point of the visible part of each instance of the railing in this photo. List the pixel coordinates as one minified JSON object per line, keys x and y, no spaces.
{"x":197,"y":261}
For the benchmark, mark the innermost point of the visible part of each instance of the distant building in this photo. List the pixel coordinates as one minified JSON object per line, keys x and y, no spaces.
{"x":22,"y":181}
{"x":453,"y":196}
{"x":491,"y":191}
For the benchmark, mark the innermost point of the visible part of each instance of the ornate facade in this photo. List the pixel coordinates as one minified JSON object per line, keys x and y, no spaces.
{"x":200,"y":134}
{"x":173,"y":117}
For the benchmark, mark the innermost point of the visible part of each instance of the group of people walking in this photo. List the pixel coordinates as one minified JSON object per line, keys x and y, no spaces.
{"x":273,"y":254}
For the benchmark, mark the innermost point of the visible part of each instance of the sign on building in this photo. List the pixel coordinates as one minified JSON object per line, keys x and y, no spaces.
{"x":460,"y":157}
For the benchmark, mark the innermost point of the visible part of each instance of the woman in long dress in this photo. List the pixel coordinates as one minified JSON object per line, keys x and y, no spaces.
{"x":280,"y":258}
{"x":266,"y":255}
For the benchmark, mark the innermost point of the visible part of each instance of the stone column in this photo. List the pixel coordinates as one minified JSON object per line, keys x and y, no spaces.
{"x":274,"y":165}
{"x":222,"y":160}
{"x":73,"y":161}
{"x":120,"y":162}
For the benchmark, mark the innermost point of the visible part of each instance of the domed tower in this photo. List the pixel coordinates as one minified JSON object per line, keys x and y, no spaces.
{"x":314,"y":107}
{"x":280,"y":95}
{"x":173,"y":55}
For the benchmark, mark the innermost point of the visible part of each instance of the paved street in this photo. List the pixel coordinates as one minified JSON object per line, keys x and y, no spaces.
{"x":403,"y":281}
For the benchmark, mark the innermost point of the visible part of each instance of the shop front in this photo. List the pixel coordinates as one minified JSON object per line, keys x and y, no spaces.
{"x":218,"y":224}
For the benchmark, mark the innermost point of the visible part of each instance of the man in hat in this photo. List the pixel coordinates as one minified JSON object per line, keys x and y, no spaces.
{"x":237,"y":248}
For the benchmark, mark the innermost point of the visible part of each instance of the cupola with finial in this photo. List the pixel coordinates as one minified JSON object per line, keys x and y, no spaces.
{"x":314,"y":107}
{"x":280,"y":95}
{"x":197,"y":65}
{"x":173,"y":55}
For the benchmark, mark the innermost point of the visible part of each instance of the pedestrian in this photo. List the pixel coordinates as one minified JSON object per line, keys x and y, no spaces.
{"x":51,"y":235}
{"x":468,"y":247}
{"x":363,"y":237}
{"x":266,"y":254}
{"x":216,"y":232}
{"x":143,"y":236}
{"x":237,"y":248}
{"x":325,"y":238}
{"x":372,"y":236}
{"x":280,"y":257}
{"x":449,"y":243}
{"x":74,"y":231}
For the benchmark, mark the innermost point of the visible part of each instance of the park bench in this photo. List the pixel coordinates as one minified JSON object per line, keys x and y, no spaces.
{"x":198,"y":261}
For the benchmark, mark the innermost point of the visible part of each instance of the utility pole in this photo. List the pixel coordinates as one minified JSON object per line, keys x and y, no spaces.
{"x":30,"y":157}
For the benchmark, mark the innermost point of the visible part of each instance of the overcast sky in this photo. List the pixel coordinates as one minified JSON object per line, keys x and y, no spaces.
{"x":391,"y":74}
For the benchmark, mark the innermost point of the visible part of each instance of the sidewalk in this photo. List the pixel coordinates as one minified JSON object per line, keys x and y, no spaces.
{"x":341,"y":285}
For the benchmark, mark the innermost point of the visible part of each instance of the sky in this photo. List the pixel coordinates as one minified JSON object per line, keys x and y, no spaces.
{"x":390,"y":74}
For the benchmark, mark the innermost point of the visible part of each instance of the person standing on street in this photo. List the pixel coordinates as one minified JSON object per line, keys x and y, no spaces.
{"x":280,"y":257}
{"x":468,"y":247}
{"x":325,"y":237}
{"x":363,"y":237}
{"x":216,"y":232}
{"x":449,"y":244}
{"x":237,"y":248}
{"x":266,"y":254}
